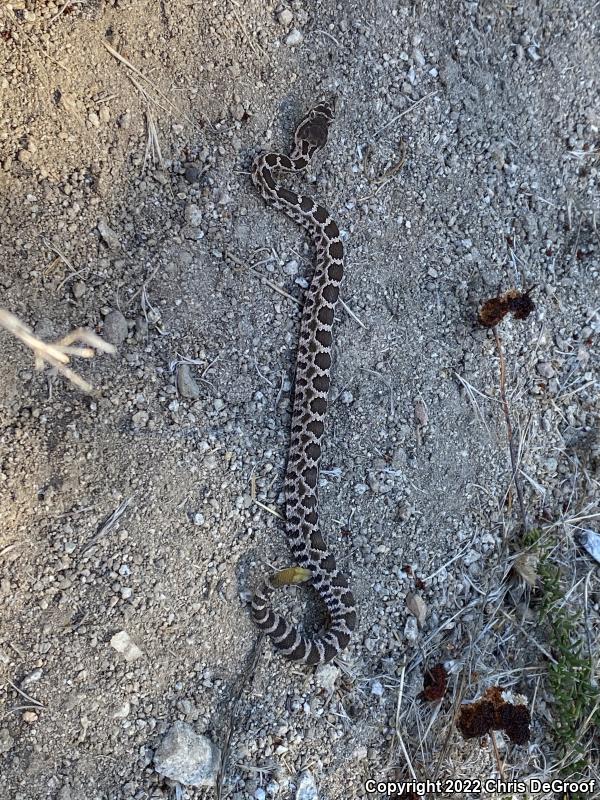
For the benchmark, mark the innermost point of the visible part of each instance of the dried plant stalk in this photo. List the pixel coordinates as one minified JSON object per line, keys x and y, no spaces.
{"x":57,"y":354}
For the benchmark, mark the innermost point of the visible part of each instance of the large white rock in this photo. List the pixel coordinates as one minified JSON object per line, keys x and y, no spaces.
{"x":187,"y":757}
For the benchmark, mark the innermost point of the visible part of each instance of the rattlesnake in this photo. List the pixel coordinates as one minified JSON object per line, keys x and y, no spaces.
{"x":316,"y":564}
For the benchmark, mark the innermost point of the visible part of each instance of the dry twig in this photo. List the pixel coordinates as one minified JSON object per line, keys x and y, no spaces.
{"x":57,"y":354}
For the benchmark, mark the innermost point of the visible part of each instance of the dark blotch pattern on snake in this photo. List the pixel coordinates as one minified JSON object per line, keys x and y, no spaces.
{"x":315,"y":563}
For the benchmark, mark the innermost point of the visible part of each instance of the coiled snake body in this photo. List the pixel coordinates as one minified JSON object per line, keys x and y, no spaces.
{"x":313,"y":364}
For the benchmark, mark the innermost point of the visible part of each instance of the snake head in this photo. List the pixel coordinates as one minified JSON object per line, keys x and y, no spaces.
{"x":312,"y":132}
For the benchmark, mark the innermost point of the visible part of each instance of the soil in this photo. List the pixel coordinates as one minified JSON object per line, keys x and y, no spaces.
{"x":464,"y":162}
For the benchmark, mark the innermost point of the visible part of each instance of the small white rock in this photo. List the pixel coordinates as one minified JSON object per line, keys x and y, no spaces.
{"x":294,"y":37}
{"x":377,"y":688}
{"x":193,"y":215}
{"x":122,"y":711}
{"x":545,"y":369}
{"x":284,"y":16}
{"x":123,"y":644}
{"x":326,"y":675}
{"x":291,"y":268}
{"x":110,"y":237}
{"x":590,"y":540}
{"x":306,"y":788}
{"x":411,"y":630}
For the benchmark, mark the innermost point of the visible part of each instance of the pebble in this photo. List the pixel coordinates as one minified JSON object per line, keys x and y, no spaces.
{"x":186,"y":385}
{"x":306,"y":788}
{"x":238,"y":112}
{"x":109,"y":237}
{"x":187,"y":757}
{"x":545,"y":369}
{"x":115,"y":328}
{"x":122,"y":711}
{"x":140,"y":418}
{"x":377,"y":688}
{"x":284,"y":16}
{"x":291,"y":268}
{"x":6,"y":740}
{"x":192,"y":173}
{"x":32,"y":677}
{"x":411,"y":630}
{"x":123,"y":644}
{"x":421,"y":416}
{"x":590,"y":541}
{"x":419,"y":58}
{"x":193,"y":215}
{"x":326,"y":676}
{"x":347,"y":397}
{"x":294,"y":37}
{"x":417,"y":607}
{"x":78,"y":289}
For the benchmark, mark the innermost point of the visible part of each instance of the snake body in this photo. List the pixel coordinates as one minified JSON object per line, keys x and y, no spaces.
{"x":315,"y":563}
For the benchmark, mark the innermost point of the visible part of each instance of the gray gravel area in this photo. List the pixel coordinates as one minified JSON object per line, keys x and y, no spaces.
{"x":464,"y":160}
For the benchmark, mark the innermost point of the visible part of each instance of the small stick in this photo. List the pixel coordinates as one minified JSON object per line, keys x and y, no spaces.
{"x":403,"y":113}
{"x":34,"y":703}
{"x":57,"y":354}
{"x":351,"y":313}
{"x":509,"y":428}
{"x":248,"y":672}
{"x":499,"y":763}
{"x":169,"y":102}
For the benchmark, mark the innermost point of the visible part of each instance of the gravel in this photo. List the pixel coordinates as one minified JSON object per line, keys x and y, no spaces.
{"x":149,"y":202}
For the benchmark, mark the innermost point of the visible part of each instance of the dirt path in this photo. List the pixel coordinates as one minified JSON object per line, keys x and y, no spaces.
{"x":128,"y":131}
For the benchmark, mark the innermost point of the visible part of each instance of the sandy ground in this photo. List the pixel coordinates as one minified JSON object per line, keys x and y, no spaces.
{"x":464,"y":161}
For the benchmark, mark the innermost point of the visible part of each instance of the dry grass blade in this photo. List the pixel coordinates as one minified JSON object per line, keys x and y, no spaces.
{"x":108,"y":525}
{"x":57,"y":355}
{"x":404,"y":113}
{"x":262,"y":505}
{"x":62,"y":257}
{"x":153,"y":152}
{"x":141,"y":75}
{"x":351,"y":313}
{"x":238,"y":262}
{"x":34,"y":703}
